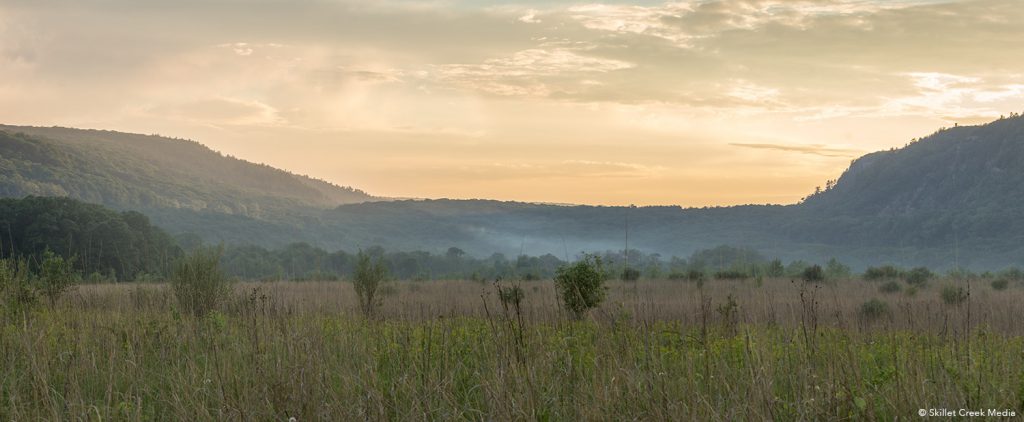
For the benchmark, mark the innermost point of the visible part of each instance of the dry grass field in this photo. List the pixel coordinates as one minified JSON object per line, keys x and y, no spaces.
{"x":655,"y":350}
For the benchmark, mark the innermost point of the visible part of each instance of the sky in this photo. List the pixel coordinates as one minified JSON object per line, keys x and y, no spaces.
{"x":692,"y":103}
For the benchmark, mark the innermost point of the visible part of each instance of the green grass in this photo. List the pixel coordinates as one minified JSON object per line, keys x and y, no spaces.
{"x":127,"y":354}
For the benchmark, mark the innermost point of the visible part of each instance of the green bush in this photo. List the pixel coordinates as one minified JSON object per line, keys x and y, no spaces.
{"x":953,"y":295}
{"x":775,"y":269}
{"x":16,"y":288}
{"x":885,"y":272}
{"x":368,"y":276}
{"x":695,"y":275}
{"x":198,"y":283}
{"x":873,"y":310}
{"x":55,"y":276}
{"x":1000,"y":284}
{"x":813,"y":274}
{"x":581,"y":285}
{"x":918,"y":276}
{"x":890,"y":287}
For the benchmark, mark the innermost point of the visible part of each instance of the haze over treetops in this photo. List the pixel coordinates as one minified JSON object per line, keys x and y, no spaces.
{"x":692,"y":103}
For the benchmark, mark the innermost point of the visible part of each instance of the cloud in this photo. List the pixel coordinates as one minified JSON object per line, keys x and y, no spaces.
{"x":221,"y":111}
{"x":534,"y":72}
{"x":816,"y":149}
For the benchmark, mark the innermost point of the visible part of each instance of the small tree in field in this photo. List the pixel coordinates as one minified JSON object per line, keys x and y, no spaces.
{"x":55,"y":276}
{"x":814,"y":274}
{"x":367,"y":278}
{"x":581,"y":285}
{"x":199,"y":284}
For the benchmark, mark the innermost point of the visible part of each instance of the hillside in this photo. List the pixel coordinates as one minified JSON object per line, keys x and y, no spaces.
{"x":960,"y":189}
{"x":129,"y":171}
{"x":949,"y":198}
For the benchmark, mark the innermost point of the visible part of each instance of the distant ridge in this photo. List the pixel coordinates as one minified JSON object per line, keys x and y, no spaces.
{"x":954,"y":198}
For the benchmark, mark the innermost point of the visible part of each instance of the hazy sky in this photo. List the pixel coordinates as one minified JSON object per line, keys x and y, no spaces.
{"x":692,"y":103}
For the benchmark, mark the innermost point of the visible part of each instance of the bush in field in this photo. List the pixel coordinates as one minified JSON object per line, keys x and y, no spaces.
{"x":581,"y":285}
{"x":953,"y":295}
{"x":695,"y":275}
{"x":368,"y":276}
{"x":198,"y":283}
{"x":16,"y":290}
{"x":873,"y":310}
{"x":918,"y":276}
{"x":835,"y":270}
{"x":1000,"y":284}
{"x":630,"y":274}
{"x":55,"y":276}
{"x":814,"y":274}
{"x":890,"y":287}
{"x":1012,"y":273}
{"x":885,"y":272}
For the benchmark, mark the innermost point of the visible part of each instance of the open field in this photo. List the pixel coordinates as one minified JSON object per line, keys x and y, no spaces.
{"x":655,"y":350}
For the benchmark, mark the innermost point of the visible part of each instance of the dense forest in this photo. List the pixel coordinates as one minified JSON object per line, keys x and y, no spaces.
{"x":102,"y":244}
{"x":947,"y":200}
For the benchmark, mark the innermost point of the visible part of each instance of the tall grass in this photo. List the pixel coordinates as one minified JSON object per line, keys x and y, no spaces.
{"x":437,"y":352}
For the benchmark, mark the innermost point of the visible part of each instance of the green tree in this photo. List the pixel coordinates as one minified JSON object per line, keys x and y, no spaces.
{"x":775,"y":268}
{"x":55,"y":276}
{"x":836,"y":270}
{"x":368,"y":275}
{"x":581,"y":285}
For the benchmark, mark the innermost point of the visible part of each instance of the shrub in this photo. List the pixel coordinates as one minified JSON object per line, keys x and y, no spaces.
{"x":890,"y":287}
{"x":885,"y":272}
{"x":775,"y":269}
{"x":368,"y":276}
{"x":695,"y":275}
{"x":55,"y":276}
{"x":835,"y":270}
{"x":953,"y":295}
{"x":16,"y":289}
{"x":676,"y":276}
{"x":813,"y":274}
{"x":918,"y":276}
{"x":630,"y":274}
{"x":198,"y":283}
{"x":873,"y":310}
{"x":1000,"y":284}
{"x":1013,"y":273}
{"x":581,"y":285}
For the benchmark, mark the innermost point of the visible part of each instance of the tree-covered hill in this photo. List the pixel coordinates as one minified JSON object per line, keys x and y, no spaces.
{"x":960,"y":189}
{"x":129,"y":171}
{"x":952,"y":198}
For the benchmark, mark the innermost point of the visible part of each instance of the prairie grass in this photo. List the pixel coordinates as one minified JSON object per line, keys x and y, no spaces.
{"x":655,"y":350}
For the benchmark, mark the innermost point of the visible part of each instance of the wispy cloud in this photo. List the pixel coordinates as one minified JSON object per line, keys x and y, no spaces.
{"x":817,"y":149}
